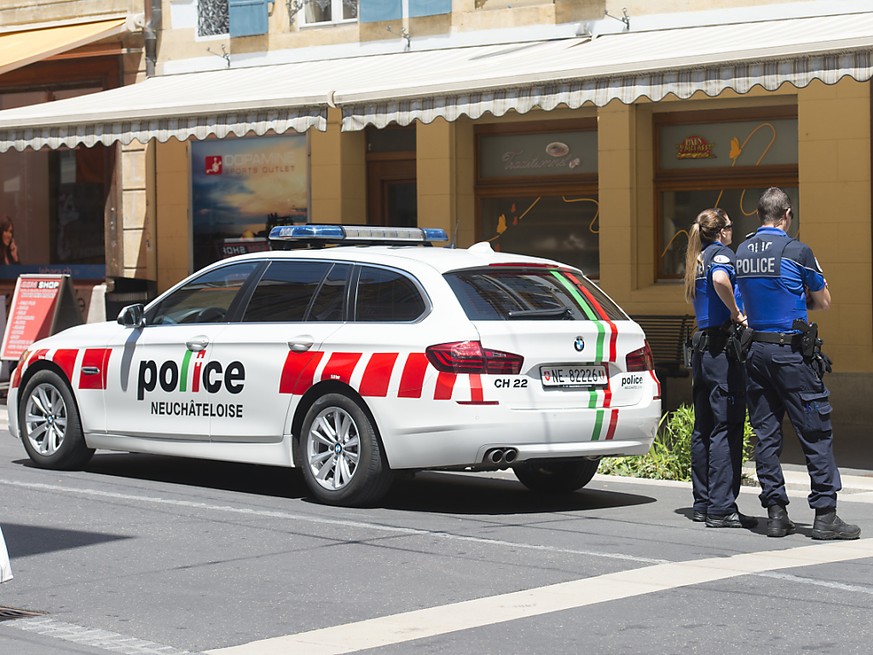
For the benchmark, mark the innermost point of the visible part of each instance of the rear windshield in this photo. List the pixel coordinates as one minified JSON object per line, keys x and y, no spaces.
{"x":503,"y":294}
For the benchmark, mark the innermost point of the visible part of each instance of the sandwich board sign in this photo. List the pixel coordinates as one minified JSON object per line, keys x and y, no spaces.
{"x":42,"y":305}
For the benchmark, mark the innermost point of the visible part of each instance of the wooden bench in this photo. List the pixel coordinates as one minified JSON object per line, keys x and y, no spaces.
{"x":667,"y":336}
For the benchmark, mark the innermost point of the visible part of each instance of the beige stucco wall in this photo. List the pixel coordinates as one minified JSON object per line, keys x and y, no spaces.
{"x":835,"y":188}
{"x":338,"y":174}
{"x":173,"y":213}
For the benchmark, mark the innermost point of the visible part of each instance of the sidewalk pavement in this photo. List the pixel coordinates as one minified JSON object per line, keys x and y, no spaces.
{"x":857,"y":483}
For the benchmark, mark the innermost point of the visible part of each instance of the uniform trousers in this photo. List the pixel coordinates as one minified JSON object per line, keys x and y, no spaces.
{"x":717,"y":440}
{"x":781,"y":381}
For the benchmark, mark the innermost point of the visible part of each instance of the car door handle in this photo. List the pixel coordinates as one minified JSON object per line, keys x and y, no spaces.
{"x":197,"y":344}
{"x":301,"y":344}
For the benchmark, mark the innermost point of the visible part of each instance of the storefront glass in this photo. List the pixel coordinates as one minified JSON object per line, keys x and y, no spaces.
{"x":720,"y":159}
{"x":537,"y":192}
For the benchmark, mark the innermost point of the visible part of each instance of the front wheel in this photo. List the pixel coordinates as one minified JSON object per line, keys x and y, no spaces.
{"x":49,"y":422}
{"x":340,"y":453}
{"x":556,"y":476}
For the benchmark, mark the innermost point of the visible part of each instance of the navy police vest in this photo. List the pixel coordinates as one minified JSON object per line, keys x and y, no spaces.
{"x":774,"y":272}
{"x":708,"y":307}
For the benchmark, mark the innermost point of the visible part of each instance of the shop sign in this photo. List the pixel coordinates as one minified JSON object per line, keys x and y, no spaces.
{"x":547,"y":154}
{"x":694,"y":147}
{"x":42,"y":305}
{"x":742,"y":144}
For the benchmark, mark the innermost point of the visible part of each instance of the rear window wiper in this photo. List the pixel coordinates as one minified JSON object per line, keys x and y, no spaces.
{"x":552,"y":314}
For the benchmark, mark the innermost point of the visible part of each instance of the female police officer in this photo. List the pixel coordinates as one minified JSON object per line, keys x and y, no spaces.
{"x":718,"y":381}
{"x":780,"y":279}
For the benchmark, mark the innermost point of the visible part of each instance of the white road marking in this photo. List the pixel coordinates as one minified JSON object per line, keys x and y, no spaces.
{"x":408,"y":626}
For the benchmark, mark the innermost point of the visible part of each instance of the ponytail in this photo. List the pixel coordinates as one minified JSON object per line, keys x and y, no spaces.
{"x":692,"y":256}
{"x":703,"y":231}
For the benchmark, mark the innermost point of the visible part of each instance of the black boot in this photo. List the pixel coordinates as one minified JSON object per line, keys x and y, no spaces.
{"x":828,"y":525}
{"x":778,"y":523}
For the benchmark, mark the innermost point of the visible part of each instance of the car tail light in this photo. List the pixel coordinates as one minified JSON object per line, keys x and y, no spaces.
{"x":471,"y":357}
{"x":641,"y":359}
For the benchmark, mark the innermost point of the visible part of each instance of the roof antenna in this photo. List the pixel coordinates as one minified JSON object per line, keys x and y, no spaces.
{"x":454,"y":242}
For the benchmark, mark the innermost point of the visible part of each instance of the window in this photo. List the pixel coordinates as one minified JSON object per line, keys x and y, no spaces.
{"x":285,"y":291}
{"x":205,"y":299}
{"x":314,"y":12}
{"x":385,"y":295}
{"x":719,"y":159}
{"x":500,"y":295}
{"x":537,"y":191}
{"x":329,"y":303}
{"x":57,"y":199}
{"x":212,"y":17}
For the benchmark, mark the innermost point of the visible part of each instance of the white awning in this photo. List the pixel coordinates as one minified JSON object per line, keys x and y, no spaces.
{"x":450,"y":83}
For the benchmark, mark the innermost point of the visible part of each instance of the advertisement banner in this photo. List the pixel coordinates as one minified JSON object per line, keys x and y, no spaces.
{"x":240,"y":188}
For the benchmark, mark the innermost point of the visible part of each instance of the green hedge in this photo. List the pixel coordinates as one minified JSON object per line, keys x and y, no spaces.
{"x":670,"y":455}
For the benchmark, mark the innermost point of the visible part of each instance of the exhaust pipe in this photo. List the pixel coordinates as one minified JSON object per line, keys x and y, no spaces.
{"x":495,"y":456}
{"x":501,"y":457}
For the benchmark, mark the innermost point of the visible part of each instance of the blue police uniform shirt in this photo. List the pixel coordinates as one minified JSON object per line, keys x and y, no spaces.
{"x":708,"y":307}
{"x":774,"y":272}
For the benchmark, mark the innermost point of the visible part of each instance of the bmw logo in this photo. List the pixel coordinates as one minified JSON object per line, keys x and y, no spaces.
{"x":579,"y":344}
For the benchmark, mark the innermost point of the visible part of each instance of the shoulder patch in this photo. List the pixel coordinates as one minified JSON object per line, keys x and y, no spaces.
{"x":721,"y":259}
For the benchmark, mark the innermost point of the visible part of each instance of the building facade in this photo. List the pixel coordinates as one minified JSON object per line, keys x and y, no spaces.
{"x":589,"y":131}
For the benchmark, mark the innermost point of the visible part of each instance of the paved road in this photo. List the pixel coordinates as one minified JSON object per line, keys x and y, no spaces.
{"x":141,"y":554}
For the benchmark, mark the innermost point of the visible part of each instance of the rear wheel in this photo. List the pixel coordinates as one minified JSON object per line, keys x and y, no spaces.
{"x":340,"y":452}
{"x":554,"y":477}
{"x":50,"y":427}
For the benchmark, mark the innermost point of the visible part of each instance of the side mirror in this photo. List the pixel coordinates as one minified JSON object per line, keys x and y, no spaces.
{"x":132,"y":316}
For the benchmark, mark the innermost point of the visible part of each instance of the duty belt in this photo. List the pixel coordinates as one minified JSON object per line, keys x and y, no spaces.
{"x":782,"y":338}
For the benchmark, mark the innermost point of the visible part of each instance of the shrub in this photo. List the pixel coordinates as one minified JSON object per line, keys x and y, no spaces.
{"x":670,"y":455}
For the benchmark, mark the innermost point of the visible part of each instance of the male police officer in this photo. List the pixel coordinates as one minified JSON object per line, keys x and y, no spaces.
{"x":780,"y":279}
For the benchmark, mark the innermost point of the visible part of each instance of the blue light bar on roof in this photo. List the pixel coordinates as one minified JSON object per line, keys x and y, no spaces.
{"x":358,"y":234}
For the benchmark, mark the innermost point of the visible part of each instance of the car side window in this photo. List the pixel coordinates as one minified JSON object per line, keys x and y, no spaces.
{"x":330,"y":299}
{"x":285,"y":291}
{"x":205,"y":299}
{"x":385,"y":295}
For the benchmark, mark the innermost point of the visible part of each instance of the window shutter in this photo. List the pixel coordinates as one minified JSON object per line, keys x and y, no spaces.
{"x":373,"y":11}
{"x":419,"y":8}
{"x":248,"y":17}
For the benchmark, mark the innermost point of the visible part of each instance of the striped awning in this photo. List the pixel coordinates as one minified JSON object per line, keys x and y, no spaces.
{"x":449,"y":83}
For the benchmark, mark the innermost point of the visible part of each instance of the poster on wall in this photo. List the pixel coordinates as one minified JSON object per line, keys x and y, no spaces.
{"x":241,"y":188}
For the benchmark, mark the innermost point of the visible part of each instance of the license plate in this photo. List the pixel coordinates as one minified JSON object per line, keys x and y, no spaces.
{"x":573,"y":376}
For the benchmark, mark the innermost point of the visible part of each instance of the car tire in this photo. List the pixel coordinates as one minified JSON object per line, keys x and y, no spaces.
{"x":49,"y":423}
{"x":556,"y":476}
{"x":341,"y":455}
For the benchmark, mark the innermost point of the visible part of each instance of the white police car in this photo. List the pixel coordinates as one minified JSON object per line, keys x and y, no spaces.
{"x":352,"y":362}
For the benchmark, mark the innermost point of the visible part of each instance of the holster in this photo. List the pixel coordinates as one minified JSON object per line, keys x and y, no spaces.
{"x":712,"y":339}
{"x":810,"y":347}
{"x":739,"y":342}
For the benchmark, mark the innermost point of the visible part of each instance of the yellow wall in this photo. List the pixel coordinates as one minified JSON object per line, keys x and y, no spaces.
{"x":173,"y":214}
{"x":835,"y":187}
{"x":338,"y":174}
